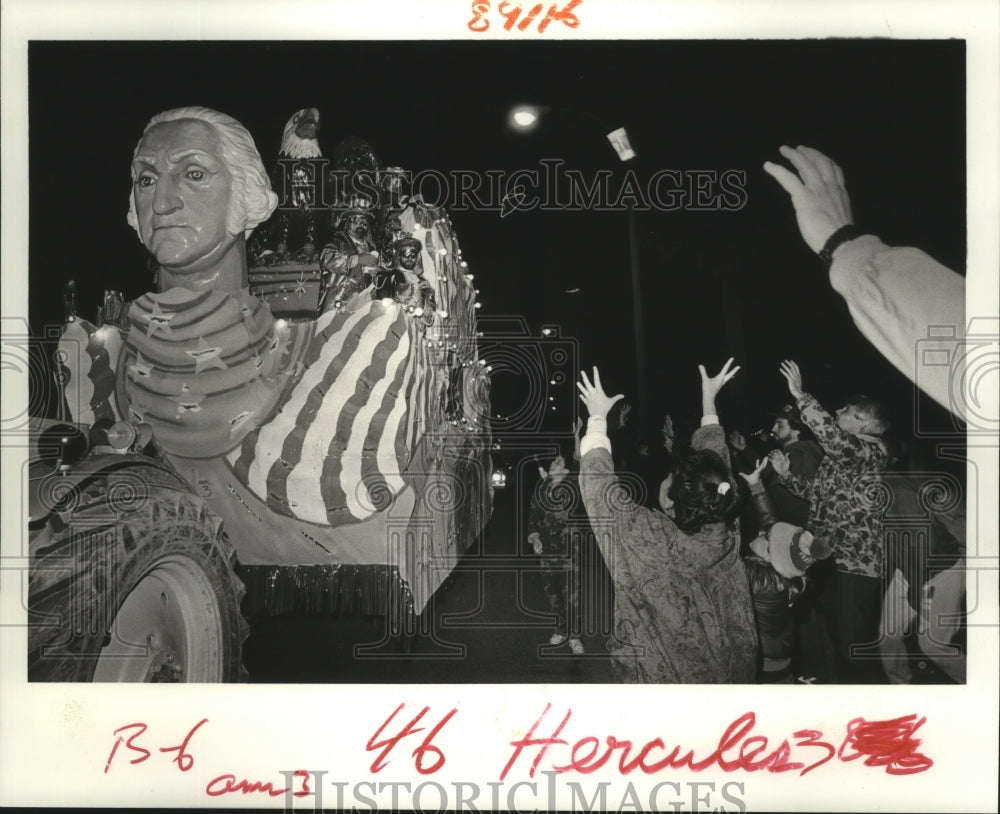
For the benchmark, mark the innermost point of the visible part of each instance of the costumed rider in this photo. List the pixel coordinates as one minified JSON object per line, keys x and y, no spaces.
{"x":405,"y":281}
{"x":350,"y":259}
{"x":776,"y":567}
{"x":392,"y":230}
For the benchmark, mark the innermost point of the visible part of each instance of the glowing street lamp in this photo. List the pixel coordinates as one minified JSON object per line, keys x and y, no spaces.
{"x":525,"y":117}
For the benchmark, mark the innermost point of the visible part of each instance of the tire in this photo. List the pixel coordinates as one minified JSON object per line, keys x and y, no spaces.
{"x":134,"y":580}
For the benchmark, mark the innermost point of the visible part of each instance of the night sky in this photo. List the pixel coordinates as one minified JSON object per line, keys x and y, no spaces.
{"x":714,"y":283}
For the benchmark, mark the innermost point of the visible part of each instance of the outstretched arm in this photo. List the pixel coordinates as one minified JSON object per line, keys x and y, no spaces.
{"x":823,"y":425}
{"x":597,"y":402}
{"x":894,"y":295}
{"x":710,"y":387}
{"x":817,"y":192}
{"x":710,"y":434}
{"x":604,"y":500}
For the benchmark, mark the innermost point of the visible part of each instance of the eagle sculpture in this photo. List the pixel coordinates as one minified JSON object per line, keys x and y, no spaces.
{"x":284,"y":251}
{"x":299,"y":223}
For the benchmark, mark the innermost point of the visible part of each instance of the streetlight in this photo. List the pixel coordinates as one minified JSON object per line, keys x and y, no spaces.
{"x":526,"y":117}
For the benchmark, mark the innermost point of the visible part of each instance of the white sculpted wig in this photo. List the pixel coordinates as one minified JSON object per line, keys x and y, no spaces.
{"x":252,"y":201}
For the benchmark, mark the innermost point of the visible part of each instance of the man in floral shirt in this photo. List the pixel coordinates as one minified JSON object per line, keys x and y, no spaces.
{"x":845,"y":509}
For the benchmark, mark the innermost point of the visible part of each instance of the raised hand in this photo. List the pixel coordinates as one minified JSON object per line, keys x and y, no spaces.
{"x":793,"y":376}
{"x":711,"y":385}
{"x":754,"y":477}
{"x":780,"y":462}
{"x":597,"y":402}
{"x":623,"y":415}
{"x":818,"y":193}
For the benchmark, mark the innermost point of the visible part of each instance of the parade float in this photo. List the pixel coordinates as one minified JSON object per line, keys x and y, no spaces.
{"x":313,"y":438}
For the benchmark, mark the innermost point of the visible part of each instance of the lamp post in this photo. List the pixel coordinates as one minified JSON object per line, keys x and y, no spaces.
{"x":526,"y":117}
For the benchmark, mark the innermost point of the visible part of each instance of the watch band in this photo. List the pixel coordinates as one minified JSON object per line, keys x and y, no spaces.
{"x":842,"y":235}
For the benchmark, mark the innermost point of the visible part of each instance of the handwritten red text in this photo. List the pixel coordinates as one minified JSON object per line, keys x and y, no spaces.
{"x":425,"y":748}
{"x":889,"y":744}
{"x":512,"y":15}
{"x":183,"y":759}
{"x":228,"y":784}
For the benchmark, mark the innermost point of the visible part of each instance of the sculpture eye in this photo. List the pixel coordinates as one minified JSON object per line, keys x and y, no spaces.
{"x":196,"y":174}
{"x":145,"y":180}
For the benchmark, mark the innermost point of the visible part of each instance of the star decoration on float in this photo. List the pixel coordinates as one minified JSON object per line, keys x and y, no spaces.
{"x":237,"y":422}
{"x":141,"y":369}
{"x":158,"y":320}
{"x":206,"y":356}
{"x":188,"y":403}
{"x":300,"y":285}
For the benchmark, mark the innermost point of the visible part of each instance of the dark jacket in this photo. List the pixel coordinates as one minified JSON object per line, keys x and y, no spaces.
{"x":804,"y":457}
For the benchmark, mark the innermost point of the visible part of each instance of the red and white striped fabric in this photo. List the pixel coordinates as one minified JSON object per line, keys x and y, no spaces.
{"x":320,"y":419}
{"x":336,"y":447}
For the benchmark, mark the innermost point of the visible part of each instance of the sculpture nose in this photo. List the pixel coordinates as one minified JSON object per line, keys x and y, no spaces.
{"x":165,"y":198}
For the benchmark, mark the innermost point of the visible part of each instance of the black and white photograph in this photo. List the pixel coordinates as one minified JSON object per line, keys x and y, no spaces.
{"x":408,"y":383}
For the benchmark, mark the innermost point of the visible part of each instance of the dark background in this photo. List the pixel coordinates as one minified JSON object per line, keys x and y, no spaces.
{"x":714,"y":284}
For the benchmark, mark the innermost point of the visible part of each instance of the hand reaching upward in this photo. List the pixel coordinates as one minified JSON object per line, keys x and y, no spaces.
{"x":598,"y":402}
{"x":780,"y":462}
{"x":793,"y":376}
{"x":817,"y":192}
{"x":754,"y":477}
{"x":711,"y":385}
{"x":623,"y":415}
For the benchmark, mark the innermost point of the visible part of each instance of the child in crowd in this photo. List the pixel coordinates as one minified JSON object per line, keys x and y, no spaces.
{"x":776,"y":566}
{"x":683,"y":612}
{"x":551,"y":536}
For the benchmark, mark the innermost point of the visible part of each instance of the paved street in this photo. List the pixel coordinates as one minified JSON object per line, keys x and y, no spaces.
{"x":488,"y":623}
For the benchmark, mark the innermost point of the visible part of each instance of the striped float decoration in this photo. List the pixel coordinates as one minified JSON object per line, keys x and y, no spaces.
{"x":335,"y":448}
{"x":319,"y":419}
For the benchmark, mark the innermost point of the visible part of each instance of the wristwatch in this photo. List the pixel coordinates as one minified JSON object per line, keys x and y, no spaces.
{"x":834,"y":241}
